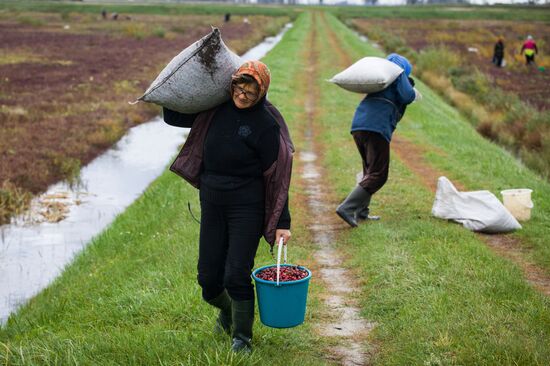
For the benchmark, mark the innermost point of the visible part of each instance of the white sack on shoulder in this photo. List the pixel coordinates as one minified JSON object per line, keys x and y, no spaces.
{"x":477,"y":211}
{"x":368,"y":75}
{"x":197,"y":79}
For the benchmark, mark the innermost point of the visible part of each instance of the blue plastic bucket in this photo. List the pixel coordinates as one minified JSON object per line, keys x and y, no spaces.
{"x":282,"y":306}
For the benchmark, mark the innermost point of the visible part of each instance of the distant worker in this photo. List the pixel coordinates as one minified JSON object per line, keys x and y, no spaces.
{"x":104,"y":14}
{"x":115,"y":16}
{"x":227,"y":17}
{"x":372,"y":127}
{"x":530,"y":49}
{"x":498,"y":54}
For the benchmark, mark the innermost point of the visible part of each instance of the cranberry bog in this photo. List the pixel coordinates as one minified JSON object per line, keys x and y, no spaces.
{"x":66,"y":78}
{"x":509,"y":105}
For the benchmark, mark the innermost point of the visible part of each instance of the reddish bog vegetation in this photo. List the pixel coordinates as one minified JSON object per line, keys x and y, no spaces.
{"x":287,"y":274}
{"x":65,"y":83}
{"x":474,"y":41}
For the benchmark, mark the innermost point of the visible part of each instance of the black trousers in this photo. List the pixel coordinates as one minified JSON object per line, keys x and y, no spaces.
{"x":375,"y":154}
{"x":229,"y":238}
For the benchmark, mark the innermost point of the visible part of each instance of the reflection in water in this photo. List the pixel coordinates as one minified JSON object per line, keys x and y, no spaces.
{"x":33,"y":253}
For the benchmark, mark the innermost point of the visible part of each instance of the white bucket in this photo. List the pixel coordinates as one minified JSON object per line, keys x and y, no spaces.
{"x":518,"y":202}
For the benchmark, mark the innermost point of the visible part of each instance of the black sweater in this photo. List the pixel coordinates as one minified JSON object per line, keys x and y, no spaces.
{"x":240,"y":145}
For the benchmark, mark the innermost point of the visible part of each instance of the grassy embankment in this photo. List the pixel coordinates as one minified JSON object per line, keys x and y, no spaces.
{"x":437,"y":293}
{"x":131,"y":297}
{"x":489,"y":102}
{"x":87,"y":69}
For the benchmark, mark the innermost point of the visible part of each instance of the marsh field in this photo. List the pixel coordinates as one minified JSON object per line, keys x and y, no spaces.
{"x":67,"y":77}
{"x":409,"y":289}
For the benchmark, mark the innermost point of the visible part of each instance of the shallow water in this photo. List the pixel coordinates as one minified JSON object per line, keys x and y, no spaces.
{"x":259,"y":51}
{"x":34,"y":251}
{"x":32,"y":254}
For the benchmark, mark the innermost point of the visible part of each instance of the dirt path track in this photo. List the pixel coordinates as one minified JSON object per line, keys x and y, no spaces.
{"x":342,"y":324}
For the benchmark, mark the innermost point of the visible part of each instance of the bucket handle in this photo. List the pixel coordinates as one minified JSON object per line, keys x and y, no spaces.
{"x":279,"y":251}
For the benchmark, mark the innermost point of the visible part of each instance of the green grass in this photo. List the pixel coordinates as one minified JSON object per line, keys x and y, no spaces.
{"x":437,"y":293}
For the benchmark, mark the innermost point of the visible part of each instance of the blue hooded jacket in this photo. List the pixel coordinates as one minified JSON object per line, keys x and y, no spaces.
{"x":381,"y":111}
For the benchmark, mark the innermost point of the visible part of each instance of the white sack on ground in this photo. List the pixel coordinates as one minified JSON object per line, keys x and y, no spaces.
{"x":368,"y":75}
{"x":197,"y":79}
{"x":477,"y":211}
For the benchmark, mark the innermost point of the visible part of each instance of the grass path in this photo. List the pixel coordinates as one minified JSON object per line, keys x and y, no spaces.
{"x":437,"y":294}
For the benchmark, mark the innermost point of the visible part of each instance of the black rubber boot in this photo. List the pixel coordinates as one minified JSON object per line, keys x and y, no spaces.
{"x":353,"y":202}
{"x":224,"y":321}
{"x":243,"y":319}
{"x":363,"y":213}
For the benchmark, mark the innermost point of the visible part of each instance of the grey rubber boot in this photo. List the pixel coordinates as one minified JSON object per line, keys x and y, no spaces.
{"x":224,"y":321}
{"x":353,"y":202}
{"x":363,"y":213}
{"x":243,"y":319}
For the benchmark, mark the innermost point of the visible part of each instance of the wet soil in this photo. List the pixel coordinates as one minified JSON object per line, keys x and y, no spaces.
{"x":65,"y":84}
{"x":530,"y":84}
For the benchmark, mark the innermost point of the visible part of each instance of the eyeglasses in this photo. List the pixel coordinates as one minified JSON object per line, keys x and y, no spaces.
{"x":247,"y":94}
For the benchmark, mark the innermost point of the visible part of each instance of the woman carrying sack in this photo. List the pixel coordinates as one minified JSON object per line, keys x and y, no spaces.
{"x":372,"y":127}
{"x":239,"y":155}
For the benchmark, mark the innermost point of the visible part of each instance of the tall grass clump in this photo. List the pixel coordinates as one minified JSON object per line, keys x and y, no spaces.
{"x":135,"y":30}
{"x":64,"y":166}
{"x":159,"y":32}
{"x":109,"y":132}
{"x":13,"y":200}
{"x":437,"y":59}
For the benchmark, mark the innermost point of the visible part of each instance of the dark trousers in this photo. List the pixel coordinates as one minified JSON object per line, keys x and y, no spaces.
{"x":229,"y":238}
{"x":375,"y":153}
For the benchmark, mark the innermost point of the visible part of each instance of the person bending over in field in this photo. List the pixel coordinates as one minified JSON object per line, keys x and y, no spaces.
{"x":239,"y":155}
{"x":372,"y":127}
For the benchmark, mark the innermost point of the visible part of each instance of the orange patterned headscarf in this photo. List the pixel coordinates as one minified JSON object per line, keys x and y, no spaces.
{"x":259,"y":71}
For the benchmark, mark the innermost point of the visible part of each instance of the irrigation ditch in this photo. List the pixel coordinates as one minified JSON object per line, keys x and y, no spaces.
{"x":38,"y":244}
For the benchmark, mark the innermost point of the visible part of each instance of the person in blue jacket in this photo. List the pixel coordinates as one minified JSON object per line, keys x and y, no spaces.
{"x":372,"y":127}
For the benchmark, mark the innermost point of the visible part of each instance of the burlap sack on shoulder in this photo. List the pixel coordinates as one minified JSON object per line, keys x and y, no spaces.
{"x":368,"y":75}
{"x":197,"y":79}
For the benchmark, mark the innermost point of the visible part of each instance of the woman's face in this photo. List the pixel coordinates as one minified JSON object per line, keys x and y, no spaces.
{"x":245,"y":95}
